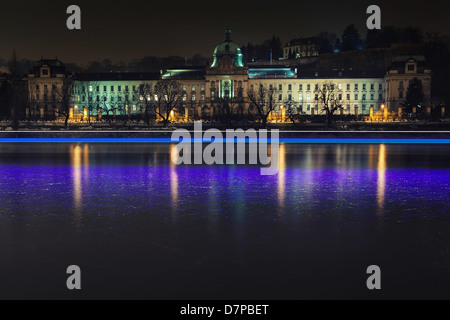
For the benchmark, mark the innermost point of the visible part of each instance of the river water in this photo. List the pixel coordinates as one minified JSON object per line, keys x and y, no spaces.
{"x":141,"y":227}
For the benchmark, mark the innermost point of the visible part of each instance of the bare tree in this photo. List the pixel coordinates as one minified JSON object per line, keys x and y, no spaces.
{"x":227,"y":107}
{"x":147,"y":100}
{"x":329,"y":98}
{"x":108,"y":105}
{"x":169,"y":97}
{"x":64,"y":98}
{"x":291,"y":111}
{"x":263,"y":98}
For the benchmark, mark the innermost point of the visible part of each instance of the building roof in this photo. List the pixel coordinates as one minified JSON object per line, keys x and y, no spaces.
{"x":271,"y":72}
{"x":56,"y":67}
{"x":187,"y":73}
{"x":398,"y":63}
{"x":117,"y":76}
{"x":339,"y":74}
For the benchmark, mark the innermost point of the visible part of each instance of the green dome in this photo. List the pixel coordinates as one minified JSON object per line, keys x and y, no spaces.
{"x":228,"y":48}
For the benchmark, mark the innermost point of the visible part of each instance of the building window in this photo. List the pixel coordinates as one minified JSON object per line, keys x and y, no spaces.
{"x":134,"y":88}
{"x":37,"y":87}
{"x":112,"y":88}
{"x":308,"y":107}
{"x":380,"y":96}
{"x":203,"y":96}
{"x":356,"y":96}
{"x":45,"y":72}
{"x":316,"y":87}
{"x":372,"y":86}
{"x":400,"y":95}
{"x":203,"y":87}
{"x":300,"y":87}
{"x":280,"y":97}
{"x":290,"y":87}
{"x":193,"y":97}
{"x":119,"y":88}
{"x":356,"y":86}
{"x":308,"y":87}
{"x":364,"y":86}
{"x":213,"y":95}
{"x":270,"y":87}
{"x":289,"y":97}
{"x":213,"y":84}
{"x":380,"y":86}
{"x":193,"y":87}
{"x":348,"y":97}
{"x":280,"y":87}
{"x":348,"y":87}
{"x":184,"y":87}
{"x":372,"y":96}
{"x":104,"y":88}
{"x":410,"y":67}
{"x":364,"y":96}
{"x":308,"y":97}
{"x":300,"y":97}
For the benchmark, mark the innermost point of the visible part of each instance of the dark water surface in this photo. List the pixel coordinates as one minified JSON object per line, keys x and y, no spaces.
{"x":141,"y":227}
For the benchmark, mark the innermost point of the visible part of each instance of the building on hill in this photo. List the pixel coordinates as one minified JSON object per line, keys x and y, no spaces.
{"x":302,"y":47}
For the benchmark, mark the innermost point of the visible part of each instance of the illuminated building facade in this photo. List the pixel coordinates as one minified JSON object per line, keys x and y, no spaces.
{"x":205,"y":89}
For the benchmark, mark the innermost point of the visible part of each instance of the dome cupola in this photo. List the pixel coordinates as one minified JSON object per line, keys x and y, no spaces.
{"x":228,"y":48}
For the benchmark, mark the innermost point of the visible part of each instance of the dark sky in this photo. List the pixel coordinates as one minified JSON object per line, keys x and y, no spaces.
{"x":131,"y":29}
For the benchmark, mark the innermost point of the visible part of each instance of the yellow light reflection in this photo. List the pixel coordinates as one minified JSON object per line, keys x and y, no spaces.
{"x":381,"y":183}
{"x":282,"y":175}
{"x":173,"y":179}
{"x":79,"y":158}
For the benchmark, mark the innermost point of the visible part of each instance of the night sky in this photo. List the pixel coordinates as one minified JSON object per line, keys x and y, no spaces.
{"x":132,"y":29}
